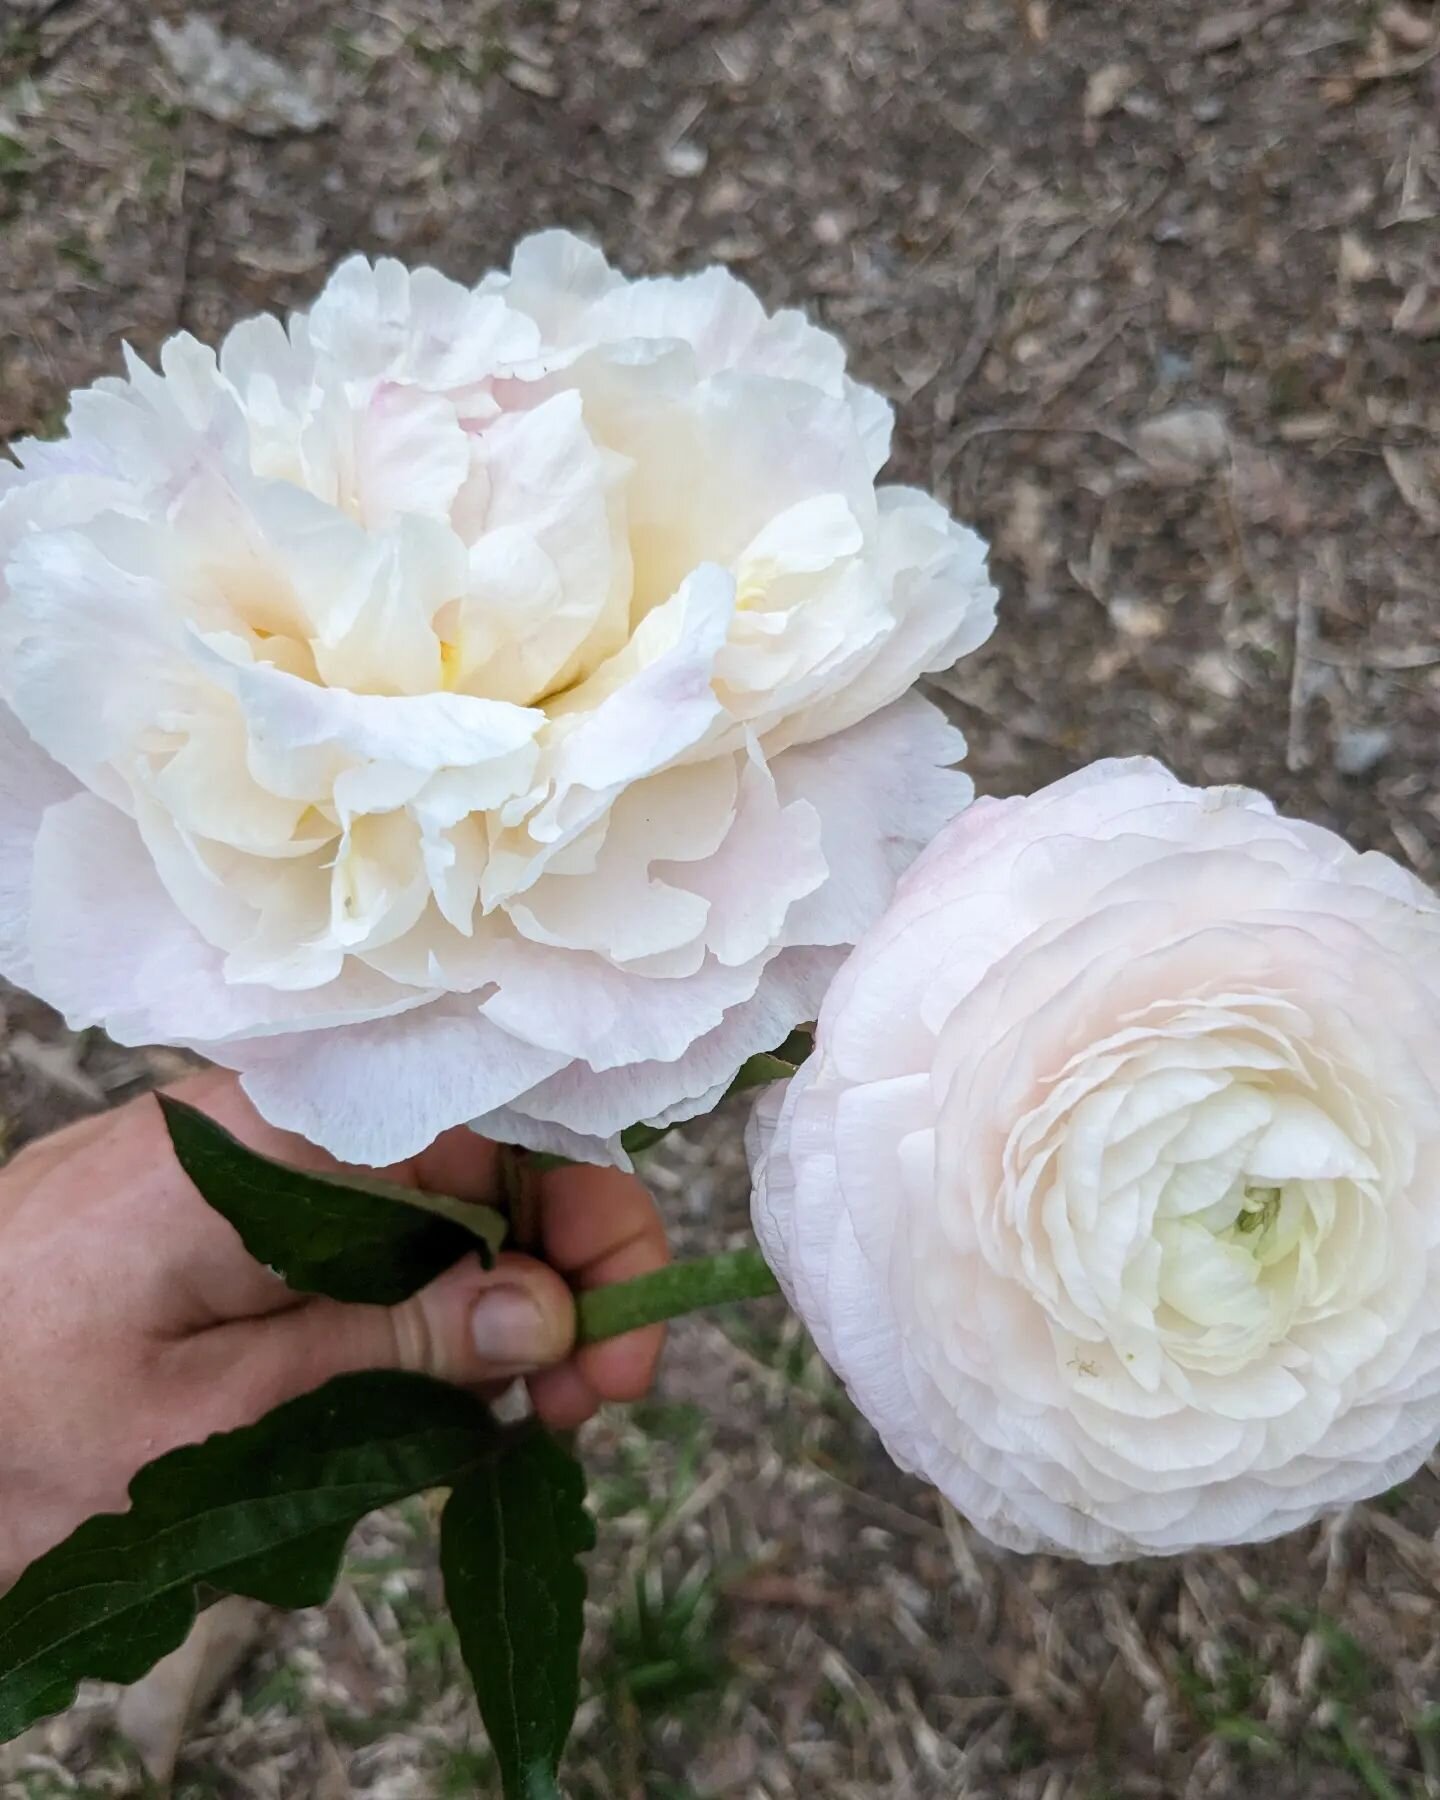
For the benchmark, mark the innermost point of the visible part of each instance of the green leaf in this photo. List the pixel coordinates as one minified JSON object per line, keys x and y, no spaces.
{"x":635,"y":1138}
{"x":508,"y":1541}
{"x":264,"y":1511}
{"x":759,"y":1071}
{"x":353,"y":1237}
{"x":755,"y":1071}
{"x":799,"y":1045}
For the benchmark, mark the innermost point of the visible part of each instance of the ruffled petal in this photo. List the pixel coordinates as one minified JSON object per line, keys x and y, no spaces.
{"x":30,"y":784}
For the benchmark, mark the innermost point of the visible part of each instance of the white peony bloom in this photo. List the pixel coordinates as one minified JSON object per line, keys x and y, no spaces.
{"x":466,"y":704}
{"x":1112,"y":1189}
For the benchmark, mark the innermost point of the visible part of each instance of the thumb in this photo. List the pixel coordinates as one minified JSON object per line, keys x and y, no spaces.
{"x":470,"y":1326}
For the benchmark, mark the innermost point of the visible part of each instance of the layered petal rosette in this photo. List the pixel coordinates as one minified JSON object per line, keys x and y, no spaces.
{"x":1112,"y":1189}
{"x":470,"y":704}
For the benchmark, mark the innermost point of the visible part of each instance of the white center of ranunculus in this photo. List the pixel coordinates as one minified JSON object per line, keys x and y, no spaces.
{"x":1199,"y":1195}
{"x":1237,"y":1274}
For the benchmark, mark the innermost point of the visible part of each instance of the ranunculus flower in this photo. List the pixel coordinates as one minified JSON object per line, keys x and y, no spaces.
{"x":1112,"y":1189}
{"x":470,"y":704}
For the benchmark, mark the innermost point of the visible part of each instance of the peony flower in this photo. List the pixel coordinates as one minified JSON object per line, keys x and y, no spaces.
{"x":470,"y":704}
{"x":1112,"y":1189}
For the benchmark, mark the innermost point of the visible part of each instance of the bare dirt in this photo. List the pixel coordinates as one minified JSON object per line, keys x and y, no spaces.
{"x":1156,"y":288}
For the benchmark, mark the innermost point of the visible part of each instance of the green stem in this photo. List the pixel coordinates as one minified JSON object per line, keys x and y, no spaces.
{"x":681,"y":1288}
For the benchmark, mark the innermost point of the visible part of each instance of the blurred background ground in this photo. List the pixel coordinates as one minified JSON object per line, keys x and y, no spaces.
{"x":1156,"y":287}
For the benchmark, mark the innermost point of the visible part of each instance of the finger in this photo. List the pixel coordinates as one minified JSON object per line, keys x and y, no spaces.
{"x":562,"y":1397}
{"x":622,"y":1368}
{"x":471,"y":1326}
{"x":591,"y":1214}
{"x":603,"y":1226}
{"x":460,"y":1163}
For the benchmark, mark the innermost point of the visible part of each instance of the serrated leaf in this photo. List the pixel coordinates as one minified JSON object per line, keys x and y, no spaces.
{"x":509,"y":1537}
{"x":264,"y":1512}
{"x":353,"y":1238}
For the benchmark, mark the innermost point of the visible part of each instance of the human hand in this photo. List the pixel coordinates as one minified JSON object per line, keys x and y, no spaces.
{"x":132,"y":1319}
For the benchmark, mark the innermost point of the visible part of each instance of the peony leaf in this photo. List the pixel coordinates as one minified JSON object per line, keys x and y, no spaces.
{"x":760,"y":1071}
{"x":264,"y":1512}
{"x":755,"y":1071}
{"x":352,"y":1237}
{"x":509,"y":1538}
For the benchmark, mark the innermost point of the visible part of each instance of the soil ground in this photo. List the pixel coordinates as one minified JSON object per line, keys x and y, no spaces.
{"x":1156,"y":288}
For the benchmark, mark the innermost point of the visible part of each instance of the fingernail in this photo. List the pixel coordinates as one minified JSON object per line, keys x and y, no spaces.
{"x":510,"y":1330}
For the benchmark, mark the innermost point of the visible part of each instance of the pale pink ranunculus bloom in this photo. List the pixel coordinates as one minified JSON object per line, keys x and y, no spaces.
{"x":471,"y":704}
{"x":1112,"y":1189}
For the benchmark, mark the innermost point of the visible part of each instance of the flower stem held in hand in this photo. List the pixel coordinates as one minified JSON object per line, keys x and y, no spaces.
{"x":667,"y":1293}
